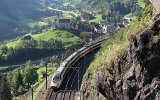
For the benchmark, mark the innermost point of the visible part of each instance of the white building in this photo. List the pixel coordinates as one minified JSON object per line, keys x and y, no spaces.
{"x":61,"y":23}
{"x":107,"y":28}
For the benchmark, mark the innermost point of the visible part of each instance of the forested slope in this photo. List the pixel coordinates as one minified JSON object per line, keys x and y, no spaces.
{"x":111,"y":10}
{"x":14,"y":14}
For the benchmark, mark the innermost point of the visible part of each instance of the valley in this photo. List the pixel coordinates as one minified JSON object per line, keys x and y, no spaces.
{"x":85,"y":49}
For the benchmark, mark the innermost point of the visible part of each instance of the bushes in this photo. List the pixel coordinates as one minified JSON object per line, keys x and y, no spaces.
{"x":85,"y":36}
{"x":5,"y":91}
{"x":32,"y":49}
{"x":20,"y":78}
{"x":147,"y":12}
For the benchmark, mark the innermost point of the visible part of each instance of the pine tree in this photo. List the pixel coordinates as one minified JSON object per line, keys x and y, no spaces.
{"x":5,"y":91}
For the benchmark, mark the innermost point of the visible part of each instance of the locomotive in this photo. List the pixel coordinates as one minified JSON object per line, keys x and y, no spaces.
{"x":60,"y":74}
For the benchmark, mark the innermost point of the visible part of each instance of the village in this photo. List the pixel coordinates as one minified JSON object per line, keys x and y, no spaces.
{"x":102,"y":27}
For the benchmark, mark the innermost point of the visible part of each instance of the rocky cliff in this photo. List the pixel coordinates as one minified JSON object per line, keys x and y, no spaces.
{"x":136,"y":75}
{"x":156,"y":8}
{"x":133,"y":76}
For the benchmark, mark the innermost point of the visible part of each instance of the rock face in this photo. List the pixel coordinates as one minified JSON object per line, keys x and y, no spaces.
{"x":135,"y":75}
{"x":156,"y":8}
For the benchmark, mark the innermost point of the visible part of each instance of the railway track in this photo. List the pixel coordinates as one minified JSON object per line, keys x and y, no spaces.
{"x":72,"y":83}
{"x":73,"y":78}
{"x":68,"y":95}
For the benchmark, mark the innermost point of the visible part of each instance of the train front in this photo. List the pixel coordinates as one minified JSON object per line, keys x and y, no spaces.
{"x":56,"y":81}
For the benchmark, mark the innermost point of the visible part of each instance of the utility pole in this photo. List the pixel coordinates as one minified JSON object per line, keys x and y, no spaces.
{"x":46,"y":75}
{"x":32,"y":93}
{"x":78,"y":80}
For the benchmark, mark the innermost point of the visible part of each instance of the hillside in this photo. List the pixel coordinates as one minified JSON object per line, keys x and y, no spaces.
{"x":127,"y":66}
{"x":110,"y":10}
{"x":67,"y":38}
{"x":47,"y":43}
{"x":15,"y":14}
{"x":17,"y":17}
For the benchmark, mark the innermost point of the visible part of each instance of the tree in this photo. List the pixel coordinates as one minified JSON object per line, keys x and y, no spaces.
{"x":15,"y":80}
{"x":3,"y":52}
{"x":5,"y":91}
{"x":42,"y":44}
{"x":43,"y":72}
{"x":30,"y":76}
{"x":20,"y":89}
{"x":29,"y":63}
{"x":85,"y":36}
{"x":58,"y":44}
{"x":28,"y":43}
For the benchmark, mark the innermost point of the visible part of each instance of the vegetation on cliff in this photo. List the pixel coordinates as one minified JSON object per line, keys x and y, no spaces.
{"x":112,"y":51}
{"x":113,"y":47}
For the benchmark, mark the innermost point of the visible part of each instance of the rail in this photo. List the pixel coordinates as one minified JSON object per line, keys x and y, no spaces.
{"x":76,"y":70}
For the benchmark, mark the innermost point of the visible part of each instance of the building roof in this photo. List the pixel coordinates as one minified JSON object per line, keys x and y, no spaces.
{"x":27,"y":37}
{"x":120,"y":25}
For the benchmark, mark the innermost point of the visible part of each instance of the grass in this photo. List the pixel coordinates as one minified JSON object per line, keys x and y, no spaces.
{"x":38,"y":23}
{"x":67,"y":15}
{"x":141,"y":3}
{"x":67,"y":38}
{"x":97,"y":19}
{"x":113,"y":48}
{"x":39,"y":71}
{"x":110,"y":50}
{"x":13,"y":43}
{"x":43,"y":69}
{"x":2,"y":68}
{"x":41,"y":83}
{"x":16,"y":98}
{"x":130,"y":16}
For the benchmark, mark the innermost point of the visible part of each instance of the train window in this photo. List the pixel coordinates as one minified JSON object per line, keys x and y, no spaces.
{"x":57,"y":77}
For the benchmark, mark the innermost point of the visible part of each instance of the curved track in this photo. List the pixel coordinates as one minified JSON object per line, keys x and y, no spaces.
{"x":71,"y":83}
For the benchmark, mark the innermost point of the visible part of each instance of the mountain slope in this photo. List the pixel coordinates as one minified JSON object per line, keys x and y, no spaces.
{"x":111,"y":10}
{"x":14,"y":14}
{"x":127,"y":66}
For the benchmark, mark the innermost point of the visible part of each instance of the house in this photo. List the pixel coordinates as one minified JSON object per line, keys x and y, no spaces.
{"x":107,"y":28}
{"x":119,"y":26}
{"x":27,"y":37}
{"x":103,"y":27}
{"x":97,"y":28}
{"x":126,"y":23}
{"x":61,"y":23}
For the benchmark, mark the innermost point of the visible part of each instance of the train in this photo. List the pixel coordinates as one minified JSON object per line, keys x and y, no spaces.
{"x":60,"y":74}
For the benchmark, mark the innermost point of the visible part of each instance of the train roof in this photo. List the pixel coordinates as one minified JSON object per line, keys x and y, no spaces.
{"x":81,"y":49}
{"x":63,"y":64}
{"x":60,"y":69}
{"x":73,"y":54}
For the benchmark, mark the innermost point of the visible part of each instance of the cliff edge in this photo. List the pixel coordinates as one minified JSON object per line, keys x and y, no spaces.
{"x":135,"y":74}
{"x":156,"y":8}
